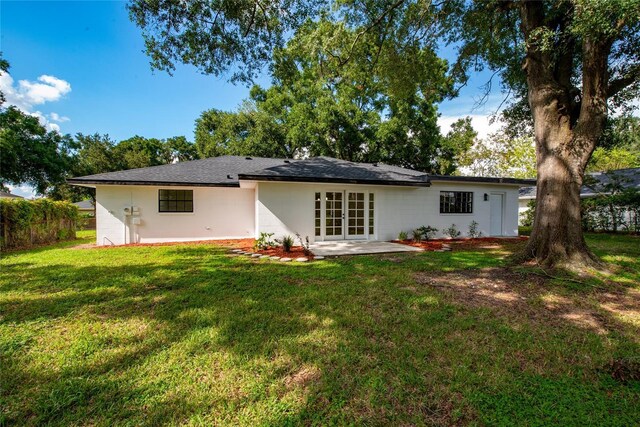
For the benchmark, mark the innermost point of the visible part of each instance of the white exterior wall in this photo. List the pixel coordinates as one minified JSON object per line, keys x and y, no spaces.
{"x":218,"y":213}
{"x":287,"y":208}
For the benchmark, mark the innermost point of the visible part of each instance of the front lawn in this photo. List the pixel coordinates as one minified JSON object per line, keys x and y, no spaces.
{"x":188,"y":334}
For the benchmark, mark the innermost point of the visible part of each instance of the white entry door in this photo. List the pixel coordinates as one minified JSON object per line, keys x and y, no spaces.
{"x":334,"y":215}
{"x":356,"y":215}
{"x":497,"y":201}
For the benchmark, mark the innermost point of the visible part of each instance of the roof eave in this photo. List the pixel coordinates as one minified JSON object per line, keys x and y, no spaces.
{"x":484,"y":180}
{"x":85,"y":182}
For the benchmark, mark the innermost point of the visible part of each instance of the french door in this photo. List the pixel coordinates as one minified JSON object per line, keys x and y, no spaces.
{"x":344,"y":215}
{"x":356,"y":215}
{"x":334,"y":215}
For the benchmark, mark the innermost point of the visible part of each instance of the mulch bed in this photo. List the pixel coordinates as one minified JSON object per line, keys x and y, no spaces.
{"x":296,"y":252}
{"x":436,"y":244}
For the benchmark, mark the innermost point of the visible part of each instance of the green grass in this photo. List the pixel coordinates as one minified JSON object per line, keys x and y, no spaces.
{"x":187,"y":334}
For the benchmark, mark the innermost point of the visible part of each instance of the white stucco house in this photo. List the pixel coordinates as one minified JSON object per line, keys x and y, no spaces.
{"x":232,"y":197}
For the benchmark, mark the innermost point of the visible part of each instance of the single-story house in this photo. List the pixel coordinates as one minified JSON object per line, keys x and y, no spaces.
{"x":233,"y":197}
{"x":595,"y":183}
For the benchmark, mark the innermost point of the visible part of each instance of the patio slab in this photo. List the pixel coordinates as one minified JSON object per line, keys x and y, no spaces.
{"x":358,"y":247}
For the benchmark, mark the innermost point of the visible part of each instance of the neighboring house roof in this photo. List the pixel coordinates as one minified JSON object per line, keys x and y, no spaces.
{"x":7,"y":195}
{"x":227,"y":171}
{"x":597,"y":183}
{"x":85,"y":205}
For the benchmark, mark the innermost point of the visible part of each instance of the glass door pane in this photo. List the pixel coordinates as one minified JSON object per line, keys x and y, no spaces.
{"x":356,"y":215}
{"x":333,"y":214}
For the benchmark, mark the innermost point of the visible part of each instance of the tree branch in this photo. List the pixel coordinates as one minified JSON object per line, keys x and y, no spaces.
{"x":619,"y":84}
{"x":374,"y":24}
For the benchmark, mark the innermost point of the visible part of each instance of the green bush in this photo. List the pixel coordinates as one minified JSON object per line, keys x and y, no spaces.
{"x":264,"y":241}
{"x":416,"y":235}
{"x":474,"y":233}
{"x":451,"y":231}
{"x":428,"y":232}
{"x":402,"y":235}
{"x":618,"y":211}
{"x":526,"y":217}
{"x":287,"y":243}
{"x":28,"y":222}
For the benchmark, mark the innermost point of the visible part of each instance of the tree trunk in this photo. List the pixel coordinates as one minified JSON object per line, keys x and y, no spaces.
{"x":566,"y":132}
{"x":557,"y":238}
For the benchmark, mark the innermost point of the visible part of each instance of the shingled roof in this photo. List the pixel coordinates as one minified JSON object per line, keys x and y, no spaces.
{"x":597,"y":183}
{"x":228,"y":171}
{"x":212,"y":172}
{"x":328,"y":169}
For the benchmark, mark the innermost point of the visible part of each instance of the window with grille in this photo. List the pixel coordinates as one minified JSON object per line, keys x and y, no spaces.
{"x":175,"y":200}
{"x":456,"y":202}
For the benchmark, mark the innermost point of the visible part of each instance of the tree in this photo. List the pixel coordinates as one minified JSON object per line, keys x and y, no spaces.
{"x":502,"y":155}
{"x":318,"y":106}
{"x":217,"y":36}
{"x":178,"y":149}
{"x":93,"y":154}
{"x":4,"y":68}
{"x":30,"y":154}
{"x":569,"y":60}
{"x":140,"y":152}
{"x":619,"y":146}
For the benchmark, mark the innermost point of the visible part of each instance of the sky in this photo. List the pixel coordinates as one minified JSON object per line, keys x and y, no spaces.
{"x":80,"y":66}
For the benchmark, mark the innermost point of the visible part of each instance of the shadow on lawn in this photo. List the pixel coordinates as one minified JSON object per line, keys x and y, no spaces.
{"x":339,"y":341}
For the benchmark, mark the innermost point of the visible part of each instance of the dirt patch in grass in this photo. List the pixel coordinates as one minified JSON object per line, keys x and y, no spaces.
{"x":513,"y":293}
{"x":302,"y":378}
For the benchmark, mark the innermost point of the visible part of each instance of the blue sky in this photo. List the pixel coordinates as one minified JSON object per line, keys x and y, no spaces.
{"x":100,"y":80}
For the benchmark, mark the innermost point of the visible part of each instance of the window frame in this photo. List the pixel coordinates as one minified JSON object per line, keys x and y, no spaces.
{"x":160,"y":200}
{"x":455,"y":203}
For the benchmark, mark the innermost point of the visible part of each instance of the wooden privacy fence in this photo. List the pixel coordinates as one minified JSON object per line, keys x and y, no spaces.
{"x":26,"y":223}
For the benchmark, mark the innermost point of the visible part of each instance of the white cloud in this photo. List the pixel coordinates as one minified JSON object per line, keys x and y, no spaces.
{"x":26,"y":94}
{"x":481,"y":124}
{"x":57,"y":118}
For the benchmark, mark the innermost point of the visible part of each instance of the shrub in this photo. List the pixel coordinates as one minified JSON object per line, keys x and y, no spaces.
{"x":402,"y":235}
{"x":474,"y":233}
{"x":428,"y":232}
{"x":452,"y":231}
{"x":417,"y":235}
{"x":29,"y":222}
{"x":304,"y":243}
{"x":264,"y":241}
{"x":526,"y":217}
{"x":287,"y":243}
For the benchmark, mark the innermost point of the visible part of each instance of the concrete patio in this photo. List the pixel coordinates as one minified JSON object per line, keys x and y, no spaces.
{"x":358,"y":247}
